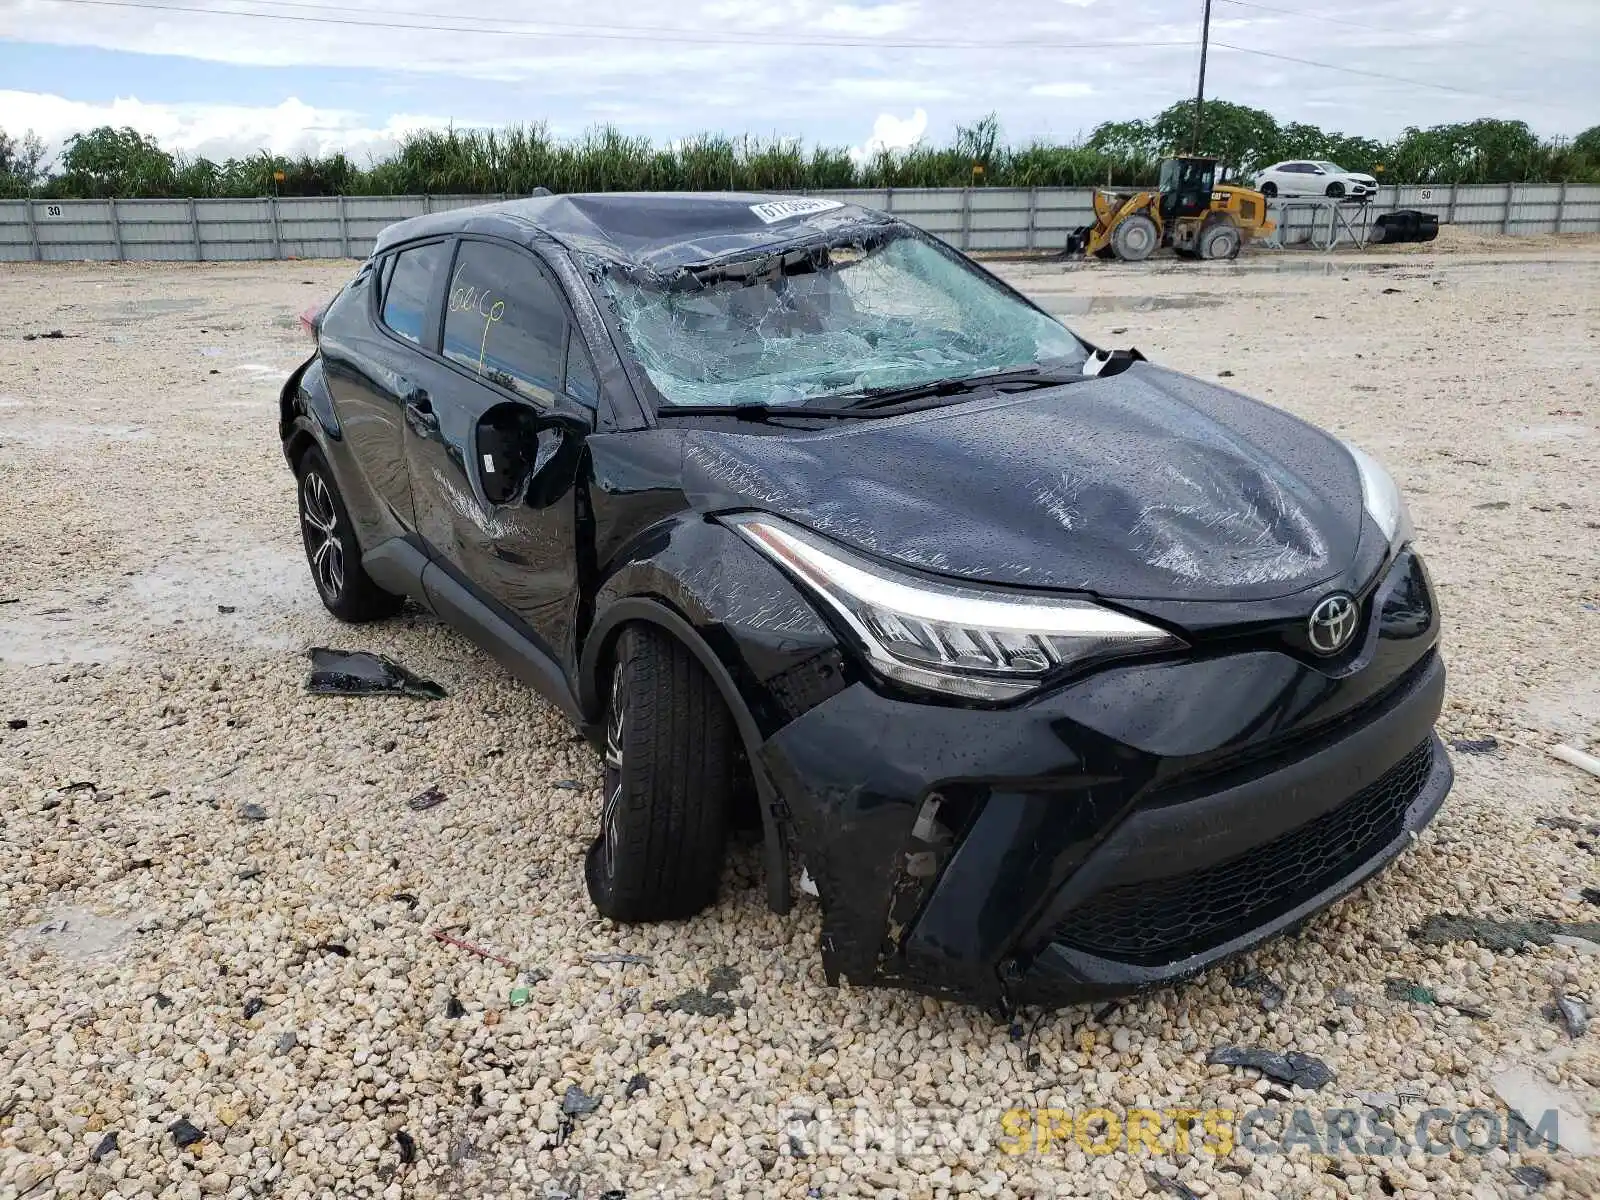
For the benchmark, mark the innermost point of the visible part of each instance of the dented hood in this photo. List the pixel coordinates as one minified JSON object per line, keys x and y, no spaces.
{"x":1145,"y":485}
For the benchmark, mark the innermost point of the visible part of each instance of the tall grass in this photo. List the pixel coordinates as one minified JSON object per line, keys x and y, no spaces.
{"x":519,"y":158}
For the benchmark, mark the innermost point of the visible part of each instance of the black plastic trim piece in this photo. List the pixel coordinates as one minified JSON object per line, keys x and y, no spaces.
{"x":396,"y":566}
{"x":460,"y":608}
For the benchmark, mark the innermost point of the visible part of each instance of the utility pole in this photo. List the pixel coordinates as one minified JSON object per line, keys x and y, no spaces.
{"x":1200,"y":94}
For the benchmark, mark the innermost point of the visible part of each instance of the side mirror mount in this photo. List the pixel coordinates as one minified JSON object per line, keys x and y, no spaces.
{"x":522,"y":458}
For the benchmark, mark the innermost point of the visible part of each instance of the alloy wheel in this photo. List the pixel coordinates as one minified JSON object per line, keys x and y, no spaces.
{"x":323,"y":544}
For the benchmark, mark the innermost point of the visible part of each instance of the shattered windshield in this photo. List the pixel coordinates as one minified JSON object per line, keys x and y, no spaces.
{"x":790,"y":327}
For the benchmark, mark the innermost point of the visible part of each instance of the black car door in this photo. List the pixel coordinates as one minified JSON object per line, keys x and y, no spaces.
{"x":370,"y":341}
{"x":493,"y":464}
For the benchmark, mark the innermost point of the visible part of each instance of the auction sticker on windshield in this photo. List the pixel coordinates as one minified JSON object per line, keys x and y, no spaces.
{"x":781,"y":210}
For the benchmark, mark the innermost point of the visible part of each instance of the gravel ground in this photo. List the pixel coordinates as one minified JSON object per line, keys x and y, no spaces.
{"x":266,"y":974}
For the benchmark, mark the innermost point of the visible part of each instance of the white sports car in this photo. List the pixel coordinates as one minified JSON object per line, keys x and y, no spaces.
{"x":1303,"y":177}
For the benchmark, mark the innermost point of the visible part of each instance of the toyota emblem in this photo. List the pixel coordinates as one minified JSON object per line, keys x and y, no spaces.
{"x":1332,"y":624}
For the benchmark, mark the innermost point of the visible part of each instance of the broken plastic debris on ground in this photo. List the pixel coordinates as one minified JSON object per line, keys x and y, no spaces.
{"x":360,"y":673}
{"x":430,"y":797}
{"x":1494,"y":934}
{"x":1573,"y":1013}
{"x":1301,"y":1070}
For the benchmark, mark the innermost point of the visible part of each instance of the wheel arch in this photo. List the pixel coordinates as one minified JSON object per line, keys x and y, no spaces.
{"x":305,"y":411}
{"x":299,"y":440}
{"x":599,"y":648}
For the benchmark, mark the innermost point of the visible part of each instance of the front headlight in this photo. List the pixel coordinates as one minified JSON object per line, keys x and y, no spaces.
{"x":1381,"y":498}
{"x":959,"y":640}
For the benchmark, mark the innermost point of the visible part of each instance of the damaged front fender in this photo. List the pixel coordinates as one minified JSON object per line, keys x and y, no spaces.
{"x":736,"y":603}
{"x":769,"y":654}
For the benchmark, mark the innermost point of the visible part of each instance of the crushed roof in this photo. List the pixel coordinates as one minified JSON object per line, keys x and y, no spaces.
{"x":654,"y":230}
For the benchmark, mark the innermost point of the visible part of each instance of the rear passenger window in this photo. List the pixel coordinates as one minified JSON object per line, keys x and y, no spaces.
{"x":411,"y":279}
{"x":582,"y":383}
{"x":504,"y":322}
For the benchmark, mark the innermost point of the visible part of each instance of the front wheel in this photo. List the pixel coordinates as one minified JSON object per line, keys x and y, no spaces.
{"x":1135,"y":238}
{"x":671,"y":771}
{"x":332,"y":551}
{"x":1336,"y":191}
{"x":1269,"y":189}
{"x":1219,"y":240}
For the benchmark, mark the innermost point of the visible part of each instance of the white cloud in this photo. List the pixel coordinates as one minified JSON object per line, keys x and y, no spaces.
{"x":216,"y":131}
{"x":890,"y":132}
{"x":758,"y":65}
{"x":907,"y":89}
{"x":1071,"y":90}
{"x":868,"y":22}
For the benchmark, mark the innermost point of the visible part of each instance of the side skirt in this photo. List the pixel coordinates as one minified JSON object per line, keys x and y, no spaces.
{"x":398,"y":566}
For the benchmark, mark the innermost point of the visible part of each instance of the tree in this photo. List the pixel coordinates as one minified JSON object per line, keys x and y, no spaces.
{"x":1240,"y":138}
{"x":115,"y":162}
{"x":1487,"y":150}
{"x":22,"y":163}
{"x":1587,"y":144}
{"x":1126,"y":139}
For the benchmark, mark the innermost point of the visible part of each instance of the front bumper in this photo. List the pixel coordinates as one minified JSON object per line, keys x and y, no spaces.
{"x":1124,"y":832}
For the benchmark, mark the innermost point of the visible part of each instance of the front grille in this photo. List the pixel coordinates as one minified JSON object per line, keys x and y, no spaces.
{"x":1163,"y":919}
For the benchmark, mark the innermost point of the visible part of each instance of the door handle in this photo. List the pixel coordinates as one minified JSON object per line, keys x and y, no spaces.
{"x":419,"y":412}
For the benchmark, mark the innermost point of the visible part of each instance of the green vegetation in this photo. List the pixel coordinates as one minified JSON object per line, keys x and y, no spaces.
{"x":21,"y":163}
{"x":120,"y":162}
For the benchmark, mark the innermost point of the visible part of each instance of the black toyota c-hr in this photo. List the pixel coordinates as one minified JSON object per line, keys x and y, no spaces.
{"x":1056,"y":673}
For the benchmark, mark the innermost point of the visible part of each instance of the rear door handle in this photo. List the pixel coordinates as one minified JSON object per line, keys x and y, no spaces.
{"x":419,"y":412}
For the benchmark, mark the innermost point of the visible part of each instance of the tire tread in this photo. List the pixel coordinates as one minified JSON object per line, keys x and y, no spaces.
{"x":678,"y":780}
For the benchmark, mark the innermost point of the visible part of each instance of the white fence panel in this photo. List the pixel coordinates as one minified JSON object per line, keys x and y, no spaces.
{"x":978,"y":219}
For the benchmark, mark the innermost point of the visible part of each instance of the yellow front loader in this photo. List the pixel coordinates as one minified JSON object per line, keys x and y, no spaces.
{"x":1189,"y":211}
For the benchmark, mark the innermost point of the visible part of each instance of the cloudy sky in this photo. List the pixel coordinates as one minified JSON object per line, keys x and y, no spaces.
{"x":225,"y":77}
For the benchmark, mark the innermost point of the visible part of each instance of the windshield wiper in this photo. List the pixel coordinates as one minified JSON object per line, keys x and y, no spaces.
{"x":866,"y":402}
{"x":883,"y":397}
{"x":755,"y":412}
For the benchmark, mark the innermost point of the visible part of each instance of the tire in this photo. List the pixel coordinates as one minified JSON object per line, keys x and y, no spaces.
{"x":1135,"y":238}
{"x":671,"y":771}
{"x":1335,"y":191}
{"x":1220,"y":239}
{"x":332,"y":551}
{"x":1269,"y":189}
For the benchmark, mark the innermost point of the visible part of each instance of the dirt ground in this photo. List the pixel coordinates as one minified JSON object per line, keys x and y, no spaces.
{"x":266,"y":974}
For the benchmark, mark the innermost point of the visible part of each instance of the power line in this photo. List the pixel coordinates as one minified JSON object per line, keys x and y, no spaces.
{"x":614,"y":33}
{"x":1370,"y":27}
{"x":632,"y":32}
{"x":1422,"y":83}
{"x":655,"y":34}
